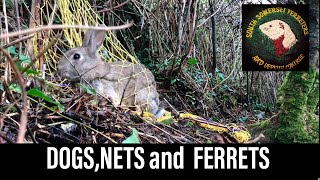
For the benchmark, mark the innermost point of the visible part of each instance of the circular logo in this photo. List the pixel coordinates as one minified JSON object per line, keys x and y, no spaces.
{"x":275,"y":38}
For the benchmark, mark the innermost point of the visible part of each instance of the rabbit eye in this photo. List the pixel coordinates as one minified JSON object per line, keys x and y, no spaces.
{"x":270,"y":25}
{"x":76,"y":56}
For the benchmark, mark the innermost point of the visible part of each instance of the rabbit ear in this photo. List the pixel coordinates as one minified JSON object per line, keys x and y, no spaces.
{"x":93,"y":40}
{"x":86,"y":38}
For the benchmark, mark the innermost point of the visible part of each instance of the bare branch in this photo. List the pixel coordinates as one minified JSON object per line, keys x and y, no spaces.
{"x":23,"y":117}
{"x":33,"y":30}
{"x":115,"y":7}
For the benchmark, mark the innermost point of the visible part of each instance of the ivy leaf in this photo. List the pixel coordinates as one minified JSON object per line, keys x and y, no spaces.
{"x":133,"y":139}
{"x":221,"y":76}
{"x":88,"y":90}
{"x":12,"y":50}
{"x":24,"y":58}
{"x":15,"y":87}
{"x":243,"y":119}
{"x":192,"y":61}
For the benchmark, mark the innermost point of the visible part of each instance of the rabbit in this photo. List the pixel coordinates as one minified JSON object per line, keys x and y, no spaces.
{"x":124,"y":83}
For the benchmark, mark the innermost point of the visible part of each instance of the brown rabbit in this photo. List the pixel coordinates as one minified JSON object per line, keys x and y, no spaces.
{"x":132,"y":85}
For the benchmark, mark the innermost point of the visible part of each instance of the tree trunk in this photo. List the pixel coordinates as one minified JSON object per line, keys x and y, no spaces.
{"x":298,"y":96}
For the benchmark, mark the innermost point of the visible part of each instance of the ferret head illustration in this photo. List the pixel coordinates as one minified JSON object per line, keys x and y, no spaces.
{"x":281,"y":34}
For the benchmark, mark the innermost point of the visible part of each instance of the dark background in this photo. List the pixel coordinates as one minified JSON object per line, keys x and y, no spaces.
{"x":288,"y":160}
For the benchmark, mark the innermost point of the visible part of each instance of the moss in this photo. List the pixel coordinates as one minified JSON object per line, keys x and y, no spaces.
{"x":259,"y":126}
{"x":313,"y":100}
{"x":313,"y":97}
{"x":264,"y":127}
{"x":296,"y":121}
{"x":314,"y":129}
{"x":297,"y":100}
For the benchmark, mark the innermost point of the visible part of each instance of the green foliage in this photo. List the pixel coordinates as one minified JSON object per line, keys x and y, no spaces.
{"x":13,"y":109}
{"x":192,"y":61}
{"x":198,"y":76}
{"x":220,"y":75}
{"x":243,"y":119}
{"x":23,"y":58}
{"x":189,"y":124}
{"x":257,"y":105}
{"x":56,"y":20}
{"x":9,"y":3}
{"x":191,"y":99}
{"x":133,"y":139}
{"x":88,"y":90}
{"x":37,"y":93}
{"x":294,"y":110}
{"x":158,"y":67}
{"x":32,"y":72}
{"x":168,"y":121}
{"x":15,"y":87}
{"x":174,"y":80}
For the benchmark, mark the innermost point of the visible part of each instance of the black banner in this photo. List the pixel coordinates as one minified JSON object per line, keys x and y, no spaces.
{"x":157,"y":160}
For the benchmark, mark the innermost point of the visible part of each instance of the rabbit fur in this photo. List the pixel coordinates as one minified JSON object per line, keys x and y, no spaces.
{"x":124,"y":83}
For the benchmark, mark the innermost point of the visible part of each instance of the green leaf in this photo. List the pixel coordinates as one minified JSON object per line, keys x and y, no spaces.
{"x":56,"y":20}
{"x":192,"y":61}
{"x":173,"y":80}
{"x":30,"y":71}
{"x":243,"y":119}
{"x":88,"y":90}
{"x":133,"y":139}
{"x":221,"y":76}
{"x":189,"y":123}
{"x":24,"y":58}
{"x":1,"y":87}
{"x":12,"y":50}
{"x":9,"y":3}
{"x":36,"y":93}
{"x":168,"y":121}
{"x":15,"y":87}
